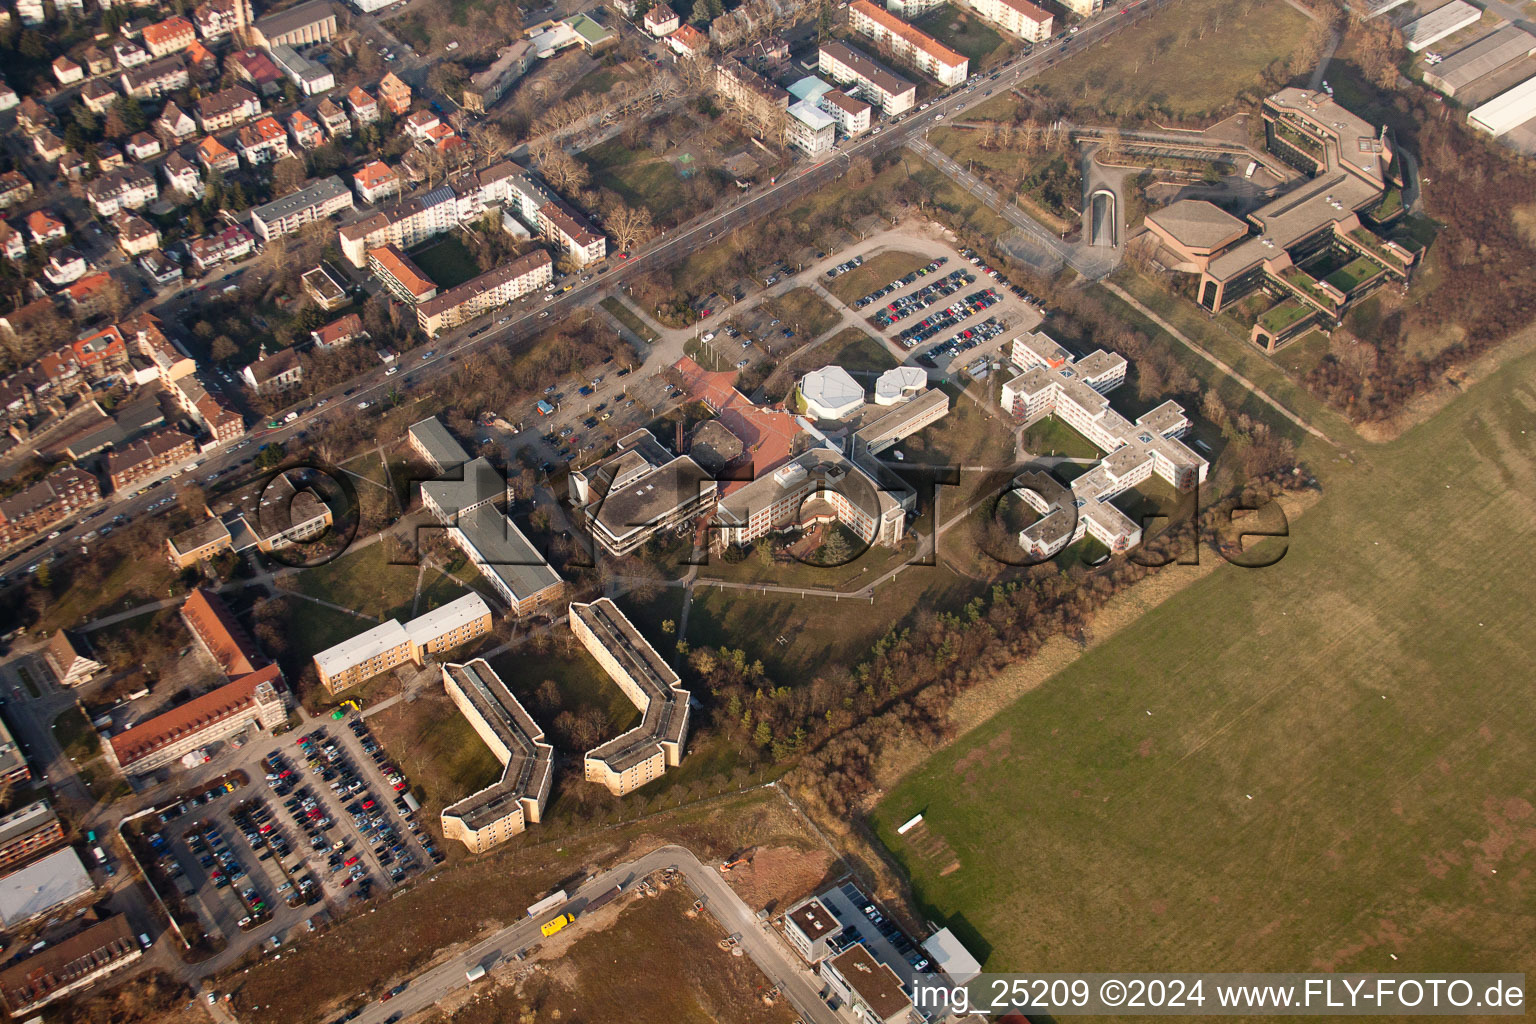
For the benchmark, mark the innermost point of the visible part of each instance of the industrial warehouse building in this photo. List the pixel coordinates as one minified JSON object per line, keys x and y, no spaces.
{"x":516,"y":800}
{"x":1486,"y":56}
{"x":1506,"y":111}
{"x":642,"y":754}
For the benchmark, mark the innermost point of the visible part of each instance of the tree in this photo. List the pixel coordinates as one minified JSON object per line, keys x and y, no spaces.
{"x":223,"y":348}
{"x":629,"y":225}
{"x":288,"y":175}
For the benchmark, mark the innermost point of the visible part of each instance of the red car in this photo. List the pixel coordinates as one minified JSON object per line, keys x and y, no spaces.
{"x":350,"y":860}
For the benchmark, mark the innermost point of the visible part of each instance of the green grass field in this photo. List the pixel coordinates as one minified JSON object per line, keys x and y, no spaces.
{"x":877,"y":271}
{"x":1189,"y":59}
{"x":1051,"y":436}
{"x":804,"y":312}
{"x":626,"y":316}
{"x":639,"y":176}
{"x":1305,"y":767}
{"x":363,"y":581}
{"x":964,"y":33}
{"x":447,"y":262}
{"x":854,"y":350}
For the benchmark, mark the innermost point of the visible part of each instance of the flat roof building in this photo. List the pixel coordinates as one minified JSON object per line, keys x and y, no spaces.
{"x":507,"y":560}
{"x":831,"y":393}
{"x":810,"y":129}
{"x":42,"y":887}
{"x":391,"y":644}
{"x":27,"y":831}
{"x":640,"y":492}
{"x":815,"y":487}
{"x":432,"y":441}
{"x":1422,"y":33}
{"x":950,"y":956}
{"x":1490,"y":54}
{"x":867,"y":77}
{"x":1054,"y":383}
{"x":1506,"y":111}
{"x":810,"y":928}
{"x":13,"y":764}
{"x":470,"y":486}
{"x":313,"y":202}
{"x":909,"y":43}
{"x":868,"y":986}
{"x":517,"y":799}
{"x":644,"y":753}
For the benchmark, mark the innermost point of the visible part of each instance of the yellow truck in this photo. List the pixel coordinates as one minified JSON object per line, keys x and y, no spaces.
{"x":550,"y":927}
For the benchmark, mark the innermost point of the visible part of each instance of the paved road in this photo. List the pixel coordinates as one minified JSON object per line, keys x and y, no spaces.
{"x":766,"y":950}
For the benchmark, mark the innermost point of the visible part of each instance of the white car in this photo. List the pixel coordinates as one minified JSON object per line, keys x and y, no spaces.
{"x":391,"y":371}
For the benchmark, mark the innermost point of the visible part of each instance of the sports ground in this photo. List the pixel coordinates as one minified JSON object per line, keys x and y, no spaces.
{"x":1321,"y":765}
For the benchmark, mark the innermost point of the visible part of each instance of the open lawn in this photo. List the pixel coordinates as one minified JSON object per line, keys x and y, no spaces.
{"x":804,"y":312}
{"x":442,"y":757}
{"x":854,"y":350}
{"x":581,"y":681}
{"x":363,"y":581}
{"x":626,"y":316}
{"x":1189,"y":59}
{"x":968,"y":436}
{"x":877,"y":271}
{"x":447,"y":262}
{"x":639,"y":176}
{"x":1051,"y":436}
{"x":964,"y":33}
{"x":653,"y":964}
{"x":1306,"y":767}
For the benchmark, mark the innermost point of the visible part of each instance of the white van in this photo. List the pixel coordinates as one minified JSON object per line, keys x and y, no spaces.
{"x":475,"y":973}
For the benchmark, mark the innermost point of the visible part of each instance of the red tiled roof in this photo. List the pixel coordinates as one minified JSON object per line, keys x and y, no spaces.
{"x":210,"y":618}
{"x":916,"y":37}
{"x":766,"y":434}
{"x":196,"y":714}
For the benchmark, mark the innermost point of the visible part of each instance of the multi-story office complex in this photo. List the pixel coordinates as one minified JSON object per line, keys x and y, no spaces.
{"x":390,"y":644}
{"x":477,"y":483}
{"x":527,"y":273}
{"x":910,"y":44}
{"x":429,"y":439}
{"x":631,"y":760}
{"x":639,"y":493}
{"x":1308,"y":247}
{"x":1056,"y":383}
{"x":810,"y":129}
{"x":516,"y":800}
{"x":817,"y":486}
{"x":867,"y":78}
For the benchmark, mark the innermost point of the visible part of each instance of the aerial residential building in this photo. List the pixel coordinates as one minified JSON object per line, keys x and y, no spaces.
{"x":640,"y":492}
{"x":870,"y":989}
{"x":400,"y":275}
{"x":1056,"y":383}
{"x":215,"y":156}
{"x":867,"y":77}
{"x":395,"y":94}
{"x":275,"y":372}
{"x":313,"y":202}
{"x":322,"y":286}
{"x":48,"y":145}
{"x":910,"y":44}
{"x":148,"y":457}
{"x":160,"y":269}
{"x":404,"y":225}
{"x":229,"y":243}
{"x":641,"y":755}
{"x":12,"y":245}
{"x":169,"y":36}
{"x":515,"y":801}
{"x":1019,"y":17}
{"x":263,"y":141}
{"x":852,"y":116}
{"x":135,"y":235}
{"x":304,"y":25}
{"x":524,"y":275}
{"x":208,"y":538}
{"x":61,"y":493}
{"x":69,"y":965}
{"x":175,"y":123}
{"x":258,"y":70}
{"x":811,"y":929}
{"x":153,"y":80}
{"x":64,"y":266}
{"x":757,"y":100}
{"x":512,"y":565}
{"x":810,"y":129}
{"x":67,"y":71}
{"x":129,"y":54}
{"x":14,"y":188}
{"x":390,"y":644}
{"x":374,"y":181}
{"x":1083,"y":8}
{"x":335,"y":120}
{"x":365,"y":109}
{"x":661,"y":21}
{"x":8,"y":97}
{"x":687,"y":41}
{"x":128,"y":188}
{"x":13,"y":763}
{"x":572,"y":232}
{"x":68,"y":665}
{"x":26,"y":832}
{"x":227,"y":108}
{"x":339,"y":332}
{"x":143,"y":146}
{"x":305,"y":130}
{"x":98,"y":95}
{"x":489,"y":86}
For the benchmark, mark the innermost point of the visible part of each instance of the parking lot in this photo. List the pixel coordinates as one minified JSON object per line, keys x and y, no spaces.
{"x":591,"y":414}
{"x":948,"y":313}
{"x":326,"y":821}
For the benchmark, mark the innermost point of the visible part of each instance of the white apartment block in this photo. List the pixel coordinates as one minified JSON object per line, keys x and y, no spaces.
{"x":910,"y":44}
{"x":313,"y":202}
{"x":644,"y":753}
{"x":912,"y":8}
{"x":528,"y":273}
{"x":1083,"y":8}
{"x":390,"y":644}
{"x":1020,"y":17}
{"x":1053,"y":382}
{"x":810,"y":129}
{"x":853,"y":116}
{"x":867,"y":78}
